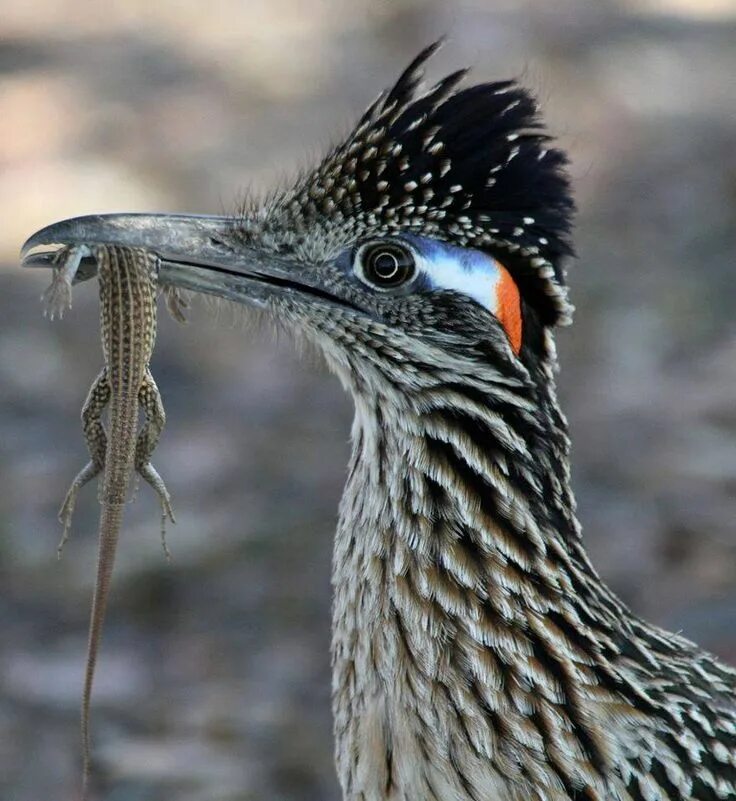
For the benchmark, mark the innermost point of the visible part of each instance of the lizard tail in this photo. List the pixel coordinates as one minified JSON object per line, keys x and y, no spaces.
{"x":110,"y":519}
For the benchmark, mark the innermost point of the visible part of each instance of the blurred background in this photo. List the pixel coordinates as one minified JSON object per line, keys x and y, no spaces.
{"x":213,"y":684}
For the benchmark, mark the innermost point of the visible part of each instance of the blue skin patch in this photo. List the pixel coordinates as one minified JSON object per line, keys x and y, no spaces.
{"x":465,"y":270}
{"x":444,"y":266}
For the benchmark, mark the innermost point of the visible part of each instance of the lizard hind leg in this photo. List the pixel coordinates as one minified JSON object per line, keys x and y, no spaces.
{"x":85,"y":475}
{"x":96,"y":439}
{"x":149,"y":399}
{"x":151,"y":476}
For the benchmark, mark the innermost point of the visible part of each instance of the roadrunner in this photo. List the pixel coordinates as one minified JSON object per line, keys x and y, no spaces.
{"x":477,"y":655}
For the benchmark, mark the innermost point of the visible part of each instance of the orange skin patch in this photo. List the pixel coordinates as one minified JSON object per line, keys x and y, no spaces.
{"x":508,"y":307}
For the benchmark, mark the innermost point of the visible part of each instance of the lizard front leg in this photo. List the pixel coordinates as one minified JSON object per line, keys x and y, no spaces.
{"x":58,"y":297}
{"x":149,"y":399}
{"x":96,"y":439}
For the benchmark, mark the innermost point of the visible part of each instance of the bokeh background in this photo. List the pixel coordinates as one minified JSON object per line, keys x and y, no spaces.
{"x":213,"y":683}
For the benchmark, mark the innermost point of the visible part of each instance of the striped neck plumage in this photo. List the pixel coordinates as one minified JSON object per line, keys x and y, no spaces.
{"x":476,"y":652}
{"x":458,"y":557}
{"x":466,"y":473}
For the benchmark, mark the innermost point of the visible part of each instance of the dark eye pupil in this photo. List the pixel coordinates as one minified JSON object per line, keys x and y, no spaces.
{"x":387,"y":265}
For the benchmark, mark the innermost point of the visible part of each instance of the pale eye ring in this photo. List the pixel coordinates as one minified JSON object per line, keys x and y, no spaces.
{"x":385,"y":265}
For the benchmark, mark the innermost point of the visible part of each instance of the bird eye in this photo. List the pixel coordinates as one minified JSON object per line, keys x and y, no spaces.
{"x":385,"y":265}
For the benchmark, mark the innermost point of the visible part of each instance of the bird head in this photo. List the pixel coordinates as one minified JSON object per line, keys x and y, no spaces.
{"x":431,"y":238}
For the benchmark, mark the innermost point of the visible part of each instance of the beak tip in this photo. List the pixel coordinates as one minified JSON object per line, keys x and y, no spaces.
{"x":64,"y":232}
{"x":29,"y":244}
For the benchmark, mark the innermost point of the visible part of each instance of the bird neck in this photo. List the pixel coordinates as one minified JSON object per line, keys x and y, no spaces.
{"x":461,"y":589}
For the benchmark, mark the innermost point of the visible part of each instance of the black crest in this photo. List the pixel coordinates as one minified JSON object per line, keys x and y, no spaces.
{"x":470,"y":166}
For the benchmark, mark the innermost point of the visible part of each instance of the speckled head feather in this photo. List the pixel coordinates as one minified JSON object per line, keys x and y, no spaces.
{"x":469,"y":166}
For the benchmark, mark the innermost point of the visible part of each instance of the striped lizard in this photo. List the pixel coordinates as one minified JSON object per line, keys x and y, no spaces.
{"x":128,"y":294}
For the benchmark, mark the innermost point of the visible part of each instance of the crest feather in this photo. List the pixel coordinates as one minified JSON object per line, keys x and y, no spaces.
{"x":472,"y":166}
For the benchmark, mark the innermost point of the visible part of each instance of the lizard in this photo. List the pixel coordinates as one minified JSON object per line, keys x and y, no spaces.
{"x":128,"y":295}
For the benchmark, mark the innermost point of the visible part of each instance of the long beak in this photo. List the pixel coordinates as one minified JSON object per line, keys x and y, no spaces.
{"x":196,"y":253}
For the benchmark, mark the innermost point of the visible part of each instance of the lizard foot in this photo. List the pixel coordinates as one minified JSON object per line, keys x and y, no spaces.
{"x":151,"y":476}
{"x":58,"y":297}
{"x":65,"y":518}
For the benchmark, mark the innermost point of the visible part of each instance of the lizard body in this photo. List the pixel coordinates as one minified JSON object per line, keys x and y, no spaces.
{"x":128,"y":294}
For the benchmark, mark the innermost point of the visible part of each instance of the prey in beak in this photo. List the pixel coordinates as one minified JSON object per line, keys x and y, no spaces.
{"x":436,"y":230}
{"x":195,"y":253}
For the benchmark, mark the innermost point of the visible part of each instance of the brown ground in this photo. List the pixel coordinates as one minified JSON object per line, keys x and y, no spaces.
{"x":213,"y":683}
